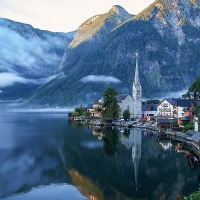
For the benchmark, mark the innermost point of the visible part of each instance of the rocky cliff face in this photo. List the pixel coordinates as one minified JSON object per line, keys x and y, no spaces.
{"x":170,"y":16}
{"x":98,"y":26}
{"x":178,"y":20}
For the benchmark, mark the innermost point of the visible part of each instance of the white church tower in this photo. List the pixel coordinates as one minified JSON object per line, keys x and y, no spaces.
{"x":137,"y":93}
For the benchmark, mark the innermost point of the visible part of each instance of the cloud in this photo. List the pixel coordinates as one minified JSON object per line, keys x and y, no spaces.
{"x":27,"y":51}
{"x":177,"y":94}
{"x":8,"y":79}
{"x":102,"y":78}
{"x":1,"y":91}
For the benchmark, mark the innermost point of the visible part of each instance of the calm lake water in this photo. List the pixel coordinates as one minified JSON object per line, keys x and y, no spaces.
{"x":42,"y":156}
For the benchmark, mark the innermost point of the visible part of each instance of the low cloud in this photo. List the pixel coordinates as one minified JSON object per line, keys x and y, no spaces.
{"x":102,"y":78}
{"x":177,"y":94}
{"x":171,"y":95}
{"x":26,"y":50}
{"x":8,"y":79}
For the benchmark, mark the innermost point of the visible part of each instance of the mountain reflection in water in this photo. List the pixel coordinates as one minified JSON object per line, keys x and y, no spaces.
{"x":42,"y":150}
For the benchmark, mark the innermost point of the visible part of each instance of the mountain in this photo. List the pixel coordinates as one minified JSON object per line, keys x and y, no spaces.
{"x":94,"y":30}
{"x":100,"y":25}
{"x":178,"y":22}
{"x":102,"y":53}
{"x":29,"y":57}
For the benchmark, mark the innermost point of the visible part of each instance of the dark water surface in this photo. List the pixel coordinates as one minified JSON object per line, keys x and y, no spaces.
{"x":42,"y":156}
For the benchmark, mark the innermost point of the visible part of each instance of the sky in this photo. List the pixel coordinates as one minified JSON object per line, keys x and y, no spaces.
{"x":63,"y":15}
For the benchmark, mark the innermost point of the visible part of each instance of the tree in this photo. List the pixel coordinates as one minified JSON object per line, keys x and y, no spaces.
{"x":187,"y":127}
{"x":80,"y":111}
{"x":193,"y":196}
{"x":126,"y":115}
{"x":174,"y":124}
{"x":110,"y":105}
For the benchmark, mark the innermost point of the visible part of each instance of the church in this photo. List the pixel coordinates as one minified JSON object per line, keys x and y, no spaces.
{"x":134,"y":103}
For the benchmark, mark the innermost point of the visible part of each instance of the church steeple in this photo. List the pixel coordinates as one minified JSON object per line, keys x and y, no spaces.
{"x":137,"y":78}
{"x":137,"y":92}
{"x":137,"y":89}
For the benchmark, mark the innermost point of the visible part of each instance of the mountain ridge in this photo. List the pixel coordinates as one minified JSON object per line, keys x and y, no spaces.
{"x":115,"y":16}
{"x":168,"y":46}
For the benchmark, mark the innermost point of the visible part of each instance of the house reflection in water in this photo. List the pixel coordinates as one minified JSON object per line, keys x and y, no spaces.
{"x":165,"y":145}
{"x":134,"y":141}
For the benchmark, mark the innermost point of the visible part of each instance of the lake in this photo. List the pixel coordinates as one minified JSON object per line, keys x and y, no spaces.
{"x":43,"y":156}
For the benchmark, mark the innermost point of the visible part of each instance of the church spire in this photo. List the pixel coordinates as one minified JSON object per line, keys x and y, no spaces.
{"x":137,"y":78}
{"x":137,"y":92}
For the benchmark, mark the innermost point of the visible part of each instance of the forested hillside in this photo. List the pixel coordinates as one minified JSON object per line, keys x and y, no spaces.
{"x":195,"y":87}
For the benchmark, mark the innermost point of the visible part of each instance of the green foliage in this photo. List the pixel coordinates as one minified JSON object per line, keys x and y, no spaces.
{"x":193,"y":196}
{"x":174,"y":124}
{"x":195,"y":87}
{"x":187,"y":127}
{"x":80,"y":111}
{"x":76,"y":114}
{"x":110,"y":105}
{"x":126,"y":114}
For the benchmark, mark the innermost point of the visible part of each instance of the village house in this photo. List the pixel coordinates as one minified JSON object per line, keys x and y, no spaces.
{"x":191,"y":114}
{"x":174,"y":108}
{"x":149,"y":109}
{"x":187,"y":114}
{"x":180,"y":105}
{"x":165,"y":108}
{"x":95,"y":109}
{"x":165,"y":124}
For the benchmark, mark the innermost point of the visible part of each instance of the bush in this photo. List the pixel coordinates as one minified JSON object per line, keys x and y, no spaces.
{"x":174,"y":124}
{"x":188,"y":127}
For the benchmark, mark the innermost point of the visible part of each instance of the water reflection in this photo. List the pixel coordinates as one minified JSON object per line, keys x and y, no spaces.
{"x":86,"y":186}
{"x":45,"y":151}
{"x":158,"y":163}
{"x":59,"y":191}
{"x":110,"y":140}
